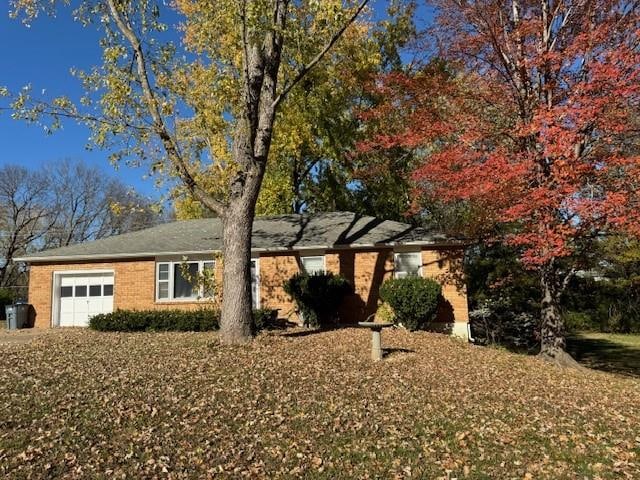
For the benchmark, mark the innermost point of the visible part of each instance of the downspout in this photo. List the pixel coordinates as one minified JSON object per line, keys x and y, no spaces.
{"x":471,"y":339}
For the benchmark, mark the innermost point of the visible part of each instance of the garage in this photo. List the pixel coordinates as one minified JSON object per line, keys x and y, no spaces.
{"x":79,"y":296}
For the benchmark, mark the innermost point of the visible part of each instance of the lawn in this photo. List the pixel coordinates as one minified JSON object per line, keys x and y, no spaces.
{"x":81,"y":404}
{"x":609,"y":352}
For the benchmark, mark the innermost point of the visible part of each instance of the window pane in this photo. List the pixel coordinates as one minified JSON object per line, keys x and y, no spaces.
{"x":408,"y":264}
{"x":81,"y":290}
{"x":181,"y":286}
{"x":255,"y":286}
{"x":95,"y":290}
{"x":163,"y":271}
{"x":313,"y":264}
{"x":163,"y":290}
{"x":107,"y":290}
{"x":209,"y":287}
{"x":66,"y":291}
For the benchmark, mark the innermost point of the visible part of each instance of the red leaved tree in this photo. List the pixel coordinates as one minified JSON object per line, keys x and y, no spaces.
{"x":537,"y":128}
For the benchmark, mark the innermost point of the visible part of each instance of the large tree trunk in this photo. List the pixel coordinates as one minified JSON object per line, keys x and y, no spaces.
{"x":262,"y":51}
{"x":235,"y":320}
{"x":552,"y":342}
{"x":552,"y":328}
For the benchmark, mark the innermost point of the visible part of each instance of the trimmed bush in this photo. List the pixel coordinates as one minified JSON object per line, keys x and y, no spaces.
{"x":414,"y":300}
{"x":385,"y":314}
{"x":200,"y":320}
{"x":264,"y":319}
{"x":318,"y":296}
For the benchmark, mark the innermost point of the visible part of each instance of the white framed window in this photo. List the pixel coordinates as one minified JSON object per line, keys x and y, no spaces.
{"x":313,"y":264}
{"x":407,"y":264}
{"x":255,"y":283}
{"x":171,"y":284}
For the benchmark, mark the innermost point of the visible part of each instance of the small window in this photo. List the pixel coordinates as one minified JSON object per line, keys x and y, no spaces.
{"x":107,"y":290}
{"x":255,"y":284}
{"x":163,"y":290}
{"x":407,"y":264}
{"x":313,"y":265}
{"x":163,"y":281}
{"x":81,"y":291}
{"x":95,"y":290}
{"x":163,"y":271}
{"x":66,"y":291}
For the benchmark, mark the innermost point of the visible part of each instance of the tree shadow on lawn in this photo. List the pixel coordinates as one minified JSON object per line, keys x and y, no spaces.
{"x":605,"y":355}
{"x":394,"y":351}
{"x":306,"y":331}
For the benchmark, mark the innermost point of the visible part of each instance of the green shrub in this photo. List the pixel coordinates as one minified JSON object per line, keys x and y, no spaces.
{"x":200,"y":320}
{"x":385,"y":314}
{"x":7,"y":297}
{"x":318,"y":296}
{"x":264,"y":319}
{"x":414,"y":300}
{"x":494,"y":322}
{"x":579,"y":321}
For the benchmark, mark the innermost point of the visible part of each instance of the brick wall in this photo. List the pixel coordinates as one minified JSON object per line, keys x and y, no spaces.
{"x":274,"y":270}
{"x":134,"y":282}
{"x":134,"y":286}
{"x":367,"y":270}
{"x":445,"y":265}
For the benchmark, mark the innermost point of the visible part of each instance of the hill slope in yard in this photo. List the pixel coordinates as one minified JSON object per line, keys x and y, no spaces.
{"x":81,"y":404}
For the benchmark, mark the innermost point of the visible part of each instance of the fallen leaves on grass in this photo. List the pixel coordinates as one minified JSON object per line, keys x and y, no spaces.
{"x":82,"y":404}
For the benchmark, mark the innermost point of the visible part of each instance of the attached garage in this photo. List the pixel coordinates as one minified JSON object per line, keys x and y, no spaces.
{"x":80,"y":295}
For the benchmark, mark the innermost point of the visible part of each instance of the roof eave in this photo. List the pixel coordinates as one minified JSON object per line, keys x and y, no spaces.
{"x":121,"y":256}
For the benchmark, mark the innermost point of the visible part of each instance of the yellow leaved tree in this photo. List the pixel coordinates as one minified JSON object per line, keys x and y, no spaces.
{"x":195,"y":89}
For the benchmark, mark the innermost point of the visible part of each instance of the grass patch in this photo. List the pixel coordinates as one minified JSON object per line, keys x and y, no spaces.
{"x":628,"y":340}
{"x":83,"y":404}
{"x":610,"y":352}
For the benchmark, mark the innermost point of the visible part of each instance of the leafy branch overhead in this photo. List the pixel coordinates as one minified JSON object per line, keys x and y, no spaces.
{"x":174,"y":105}
{"x":148,"y":104}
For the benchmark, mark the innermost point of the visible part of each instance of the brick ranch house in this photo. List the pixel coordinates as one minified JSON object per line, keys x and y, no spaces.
{"x":142,"y":269}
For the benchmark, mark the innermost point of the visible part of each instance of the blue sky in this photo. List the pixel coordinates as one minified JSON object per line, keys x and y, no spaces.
{"x":42,"y":56}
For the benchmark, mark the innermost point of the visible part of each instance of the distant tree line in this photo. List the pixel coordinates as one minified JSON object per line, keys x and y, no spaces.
{"x":61,"y":204}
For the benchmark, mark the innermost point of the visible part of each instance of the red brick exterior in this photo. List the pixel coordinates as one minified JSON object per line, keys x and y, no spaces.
{"x":134,"y":282}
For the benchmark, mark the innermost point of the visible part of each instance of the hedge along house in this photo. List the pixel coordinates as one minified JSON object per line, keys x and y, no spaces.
{"x":143,"y":269}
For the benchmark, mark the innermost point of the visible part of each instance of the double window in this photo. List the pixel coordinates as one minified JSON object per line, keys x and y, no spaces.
{"x":314,"y":264}
{"x":407,"y":264}
{"x":178,"y":280}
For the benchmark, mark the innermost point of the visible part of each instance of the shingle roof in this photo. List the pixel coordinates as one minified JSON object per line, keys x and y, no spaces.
{"x":282,"y":232}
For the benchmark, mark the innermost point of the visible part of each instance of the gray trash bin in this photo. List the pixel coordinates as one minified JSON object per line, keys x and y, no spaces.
{"x":22,"y":314}
{"x":12,"y":318}
{"x":17,"y":315}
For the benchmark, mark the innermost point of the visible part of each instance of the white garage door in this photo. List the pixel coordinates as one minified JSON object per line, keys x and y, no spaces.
{"x":83,"y":296}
